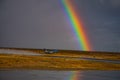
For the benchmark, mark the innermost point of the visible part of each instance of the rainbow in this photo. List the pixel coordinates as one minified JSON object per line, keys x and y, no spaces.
{"x":76,"y":24}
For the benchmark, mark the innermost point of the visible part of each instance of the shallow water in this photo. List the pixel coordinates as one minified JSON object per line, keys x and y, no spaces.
{"x":58,"y":75}
{"x":23,"y":52}
{"x":90,"y":59}
{"x":102,"y":60}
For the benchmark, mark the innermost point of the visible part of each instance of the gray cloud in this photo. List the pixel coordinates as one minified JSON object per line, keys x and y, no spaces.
{"x":33,"y":23}
{"x":115,"y":3}
{"x":102,"y":21}
{"x":43,"y":24}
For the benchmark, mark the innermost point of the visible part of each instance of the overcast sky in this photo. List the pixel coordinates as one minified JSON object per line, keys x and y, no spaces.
{"x":42,"y":24}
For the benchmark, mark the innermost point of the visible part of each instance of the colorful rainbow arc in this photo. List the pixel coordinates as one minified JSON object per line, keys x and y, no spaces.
{"x":77,"y":25}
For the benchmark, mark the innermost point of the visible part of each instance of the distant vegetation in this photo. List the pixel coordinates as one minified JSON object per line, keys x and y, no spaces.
{"x":97,"y":55}
{"x":12,"y":61}
{"x":75,"y":53}
{"x":42,"y":62}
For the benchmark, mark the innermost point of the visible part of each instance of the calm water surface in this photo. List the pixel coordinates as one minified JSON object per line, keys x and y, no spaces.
{"x":58,"y":75}
{"x":8,"y":51}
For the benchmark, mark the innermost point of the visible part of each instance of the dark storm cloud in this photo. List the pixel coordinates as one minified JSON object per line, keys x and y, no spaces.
{"x":35,"y":24}
{"x":102,"y":21}
{"x":42,"y":24}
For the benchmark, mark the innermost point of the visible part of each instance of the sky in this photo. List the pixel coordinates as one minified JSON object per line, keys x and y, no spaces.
{"x":43,"y":24}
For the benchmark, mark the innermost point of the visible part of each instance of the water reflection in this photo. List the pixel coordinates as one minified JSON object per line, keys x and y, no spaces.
{"x":74,"y":75}
{"x":23,"y":52}
{"x":101,"y":75}
{"x":58,"y":75}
